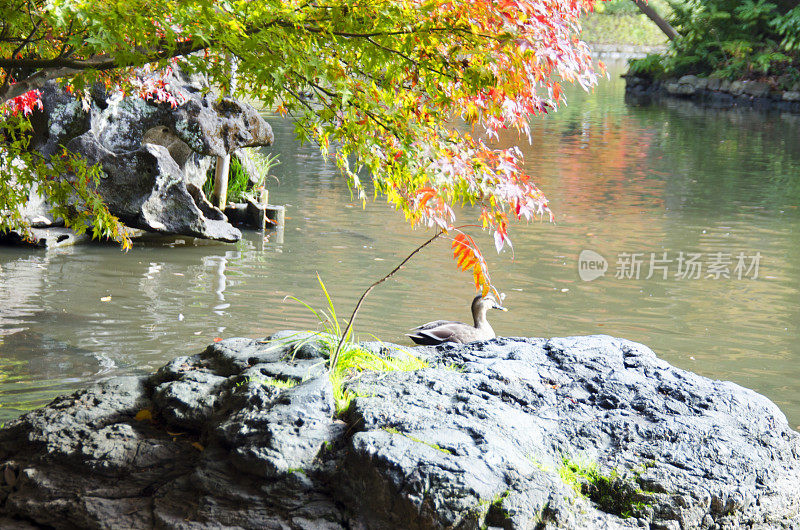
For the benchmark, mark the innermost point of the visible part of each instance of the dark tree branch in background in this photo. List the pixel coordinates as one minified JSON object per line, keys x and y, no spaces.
{"x":63,"y":66}
{"x":662,"y":24}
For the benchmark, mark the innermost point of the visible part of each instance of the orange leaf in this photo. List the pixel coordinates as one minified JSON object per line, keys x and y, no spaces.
{"x":477,"y":275}
{"x":217,"y":339}
{"x":426,"y":196}
{"x":465,"y":261}
{"x":143,"y":415}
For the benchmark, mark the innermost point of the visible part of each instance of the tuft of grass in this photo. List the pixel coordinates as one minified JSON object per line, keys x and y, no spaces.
{"x":278,"y":383}
{"x":353,"y":360}
{"x":261,"y":167}
{"x":238,"y":182}
{"x":331,"y":328}
{"x":242,"y":179}
{"x":342,"y":396}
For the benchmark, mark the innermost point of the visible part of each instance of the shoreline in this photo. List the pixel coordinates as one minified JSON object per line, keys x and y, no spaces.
{"x":712,"y":93}
{"x":623,"y":51}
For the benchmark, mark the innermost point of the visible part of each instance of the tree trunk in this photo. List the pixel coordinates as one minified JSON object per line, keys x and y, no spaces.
{"x":662,"y":24}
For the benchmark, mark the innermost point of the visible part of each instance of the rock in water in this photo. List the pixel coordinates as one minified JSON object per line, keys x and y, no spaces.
{"x":579,"y":432}
{"x":154,"y":158}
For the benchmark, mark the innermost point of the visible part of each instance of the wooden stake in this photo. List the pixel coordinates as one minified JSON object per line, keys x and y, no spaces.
{"x":224,"y":162}
{"x":221,"y":181}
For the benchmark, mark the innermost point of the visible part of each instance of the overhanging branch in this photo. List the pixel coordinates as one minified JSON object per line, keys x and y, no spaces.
{"x":662,"y":24}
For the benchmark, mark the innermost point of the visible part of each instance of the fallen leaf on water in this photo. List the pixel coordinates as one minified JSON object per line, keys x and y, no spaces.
{"x":144,"y":414}
{"x":198,"y":446}
{"x":176,"y":433}
{"x":217,"y":339}
{"x":105,"y":299}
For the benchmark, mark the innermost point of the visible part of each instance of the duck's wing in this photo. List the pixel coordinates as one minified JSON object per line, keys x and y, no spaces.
{"x":435,"y":324}
{"x":444,"y":331}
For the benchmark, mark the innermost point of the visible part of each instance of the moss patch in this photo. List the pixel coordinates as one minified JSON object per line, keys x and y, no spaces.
{"x":612,"y":492}
{"x":354,"y":360}
{"x":269,"y":381}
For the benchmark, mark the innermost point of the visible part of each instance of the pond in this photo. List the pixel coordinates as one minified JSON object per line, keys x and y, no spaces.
{"x":658,"y":188}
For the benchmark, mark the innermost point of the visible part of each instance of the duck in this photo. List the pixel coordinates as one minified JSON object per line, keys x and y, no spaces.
{"x":441,"y":331}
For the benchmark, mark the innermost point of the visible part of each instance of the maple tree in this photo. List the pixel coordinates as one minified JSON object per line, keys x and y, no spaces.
{"x":409,"y":94}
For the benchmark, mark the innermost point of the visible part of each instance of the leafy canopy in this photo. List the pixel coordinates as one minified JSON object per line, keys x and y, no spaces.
{"x":733,"y":39}
{"x":406,"y":93}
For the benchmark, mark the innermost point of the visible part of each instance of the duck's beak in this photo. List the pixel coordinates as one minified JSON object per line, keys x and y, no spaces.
{"x":498,"y":306}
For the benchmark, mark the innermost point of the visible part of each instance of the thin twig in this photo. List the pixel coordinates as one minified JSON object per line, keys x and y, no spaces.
{"x":335,"y":356}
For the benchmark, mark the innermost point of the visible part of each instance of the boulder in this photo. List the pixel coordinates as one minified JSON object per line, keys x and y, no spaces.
{"x":154,"y":157}
{"x":737,"y":87}
{"x":579,"y":432}
{"x":757,"y":89}
{"x":685,"y":86}
{"x":52,"y":237}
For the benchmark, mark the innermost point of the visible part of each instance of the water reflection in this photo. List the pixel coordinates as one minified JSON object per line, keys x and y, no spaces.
{"x":620,"y":179}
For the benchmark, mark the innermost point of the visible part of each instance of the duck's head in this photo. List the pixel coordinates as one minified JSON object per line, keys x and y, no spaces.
{"x":483,"y":303}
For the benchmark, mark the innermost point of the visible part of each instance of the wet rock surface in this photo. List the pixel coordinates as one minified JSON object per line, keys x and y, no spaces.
{"x":154,"y":157}
{"x":713,"y":93}
{"x":579,"y":432}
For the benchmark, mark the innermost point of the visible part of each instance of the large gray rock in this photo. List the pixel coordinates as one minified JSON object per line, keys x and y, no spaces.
{"x":580,"y":432}
{"x":756,"y":89}
{"x":154,"y":157}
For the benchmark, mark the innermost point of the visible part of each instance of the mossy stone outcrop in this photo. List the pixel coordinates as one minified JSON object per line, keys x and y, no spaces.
{"x":154,"y":157}
{"x":485,"y":436}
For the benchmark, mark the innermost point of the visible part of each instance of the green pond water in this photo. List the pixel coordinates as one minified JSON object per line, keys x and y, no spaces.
{"x":622,"y":181}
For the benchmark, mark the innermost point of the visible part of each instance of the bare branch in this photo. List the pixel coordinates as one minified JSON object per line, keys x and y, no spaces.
{"x":335,"y":356}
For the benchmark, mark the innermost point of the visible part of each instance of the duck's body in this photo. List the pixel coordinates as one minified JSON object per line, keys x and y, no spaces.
{"x":440,"y":331}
